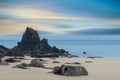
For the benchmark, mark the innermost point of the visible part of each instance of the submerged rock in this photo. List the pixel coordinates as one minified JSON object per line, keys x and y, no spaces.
{"x":68,"y":70}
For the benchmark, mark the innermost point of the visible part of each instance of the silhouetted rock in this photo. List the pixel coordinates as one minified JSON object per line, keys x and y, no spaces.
{"x":4,"y":48}
{"x":68,"y":70}
{"x":30,"y":41}
{"x":3,"y":51}
{"x":15,"y":52}
{"x":33,"y":46}
{"x":44,"y":46}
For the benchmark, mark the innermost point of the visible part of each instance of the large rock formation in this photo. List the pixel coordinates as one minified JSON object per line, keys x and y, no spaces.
{"x":30,"y":40}
{"x":32,"y":45}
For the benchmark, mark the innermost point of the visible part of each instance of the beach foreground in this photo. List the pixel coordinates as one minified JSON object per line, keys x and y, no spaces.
{"x":98,"y":69}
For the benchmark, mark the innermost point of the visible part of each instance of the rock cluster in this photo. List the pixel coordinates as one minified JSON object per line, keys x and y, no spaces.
{"x":33,"y":46}
{"x":34,"y":63}
{"x":3,"y":51}
{"x":69,"y":70}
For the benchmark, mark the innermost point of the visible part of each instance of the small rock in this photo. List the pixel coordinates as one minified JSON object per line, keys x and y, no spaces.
{"x":36,"y":63}
{"x":56,"y":62}
{"x":12,"y":60}
{"x":67,"y":63}
{"x":76,"y":63}
{"x":42,"y":60}
{"x":91,"y":57}
{"x":22,"y":66}
{"x":88,"y":61}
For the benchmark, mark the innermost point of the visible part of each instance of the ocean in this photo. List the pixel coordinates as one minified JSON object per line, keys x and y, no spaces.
{"x":104,"y":48}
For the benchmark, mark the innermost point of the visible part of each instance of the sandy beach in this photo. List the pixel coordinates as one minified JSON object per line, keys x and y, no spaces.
{"x":98,"y":69}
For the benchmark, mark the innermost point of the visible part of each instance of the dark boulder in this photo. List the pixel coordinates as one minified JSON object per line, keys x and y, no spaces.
{"x":11,"y":60}
{"x":68,"y":70}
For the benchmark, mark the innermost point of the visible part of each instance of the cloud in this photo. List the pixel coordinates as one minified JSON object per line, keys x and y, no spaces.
{"x":58,"y":16}
{"x":101,"y":31}
{"x":29,"y":13}
{"x":104,"y":9}
{"x":98,"y":9}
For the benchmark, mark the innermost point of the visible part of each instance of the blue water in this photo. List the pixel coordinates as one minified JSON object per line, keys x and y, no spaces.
{"x":105,"y":48}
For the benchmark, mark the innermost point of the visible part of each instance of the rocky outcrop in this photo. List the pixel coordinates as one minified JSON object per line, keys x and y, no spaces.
{"x":30,"y":41}
{"x":3,"y":51}
{"x":4,"y":48}
{"x":68,"y":70}
{"x":15,"y":52}
{"x":32,"y":45}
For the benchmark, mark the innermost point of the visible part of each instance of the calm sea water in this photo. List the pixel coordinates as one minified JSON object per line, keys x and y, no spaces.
{"x":105,"y":48}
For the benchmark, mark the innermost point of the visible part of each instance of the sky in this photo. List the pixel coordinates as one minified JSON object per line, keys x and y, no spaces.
{"x":61,"y":18}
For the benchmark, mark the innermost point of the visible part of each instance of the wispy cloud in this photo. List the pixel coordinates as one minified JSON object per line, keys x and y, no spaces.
{"x":101,"y":31}
{"x":58,"y":16}
{"x":30,"y":13}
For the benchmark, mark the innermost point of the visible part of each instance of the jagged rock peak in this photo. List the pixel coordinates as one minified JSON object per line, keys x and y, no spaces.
{"x":30,"y":36}
{"x":32,"y":45}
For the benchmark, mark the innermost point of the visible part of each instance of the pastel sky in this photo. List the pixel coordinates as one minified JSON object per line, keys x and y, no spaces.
{"x":60,"y":17}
